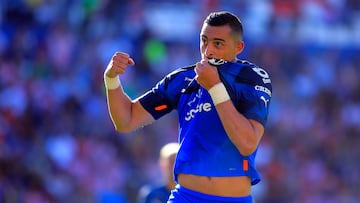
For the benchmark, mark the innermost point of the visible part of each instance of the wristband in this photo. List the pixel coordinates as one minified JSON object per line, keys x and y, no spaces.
{"x":111,"y":83}
{"x":219,"y":93}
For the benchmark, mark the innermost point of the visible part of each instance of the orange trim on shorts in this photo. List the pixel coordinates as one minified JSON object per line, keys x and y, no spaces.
{"x":245,"y":165}
{"x":161,"y":107}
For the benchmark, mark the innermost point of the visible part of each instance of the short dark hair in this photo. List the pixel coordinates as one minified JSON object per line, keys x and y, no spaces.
{"x":225,"y":18}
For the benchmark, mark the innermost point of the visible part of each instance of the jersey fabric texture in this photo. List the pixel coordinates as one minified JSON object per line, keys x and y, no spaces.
{"x":182,"y":194}
{"x":205,"y":148}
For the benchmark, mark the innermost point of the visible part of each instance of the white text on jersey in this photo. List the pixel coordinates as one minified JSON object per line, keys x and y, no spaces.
{"x":199,"y":108}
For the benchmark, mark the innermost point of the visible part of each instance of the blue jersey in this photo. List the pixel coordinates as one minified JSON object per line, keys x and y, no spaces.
{"x":205,"y":148}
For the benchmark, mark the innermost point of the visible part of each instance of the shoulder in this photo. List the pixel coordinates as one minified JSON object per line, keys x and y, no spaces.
{"x":183,"y":71}
{"x":253,"y":74}
{"x":178,"y":78}
{"x":242,"y":72}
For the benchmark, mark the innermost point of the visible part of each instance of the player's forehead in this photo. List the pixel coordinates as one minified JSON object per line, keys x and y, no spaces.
{"x":215,"y":32}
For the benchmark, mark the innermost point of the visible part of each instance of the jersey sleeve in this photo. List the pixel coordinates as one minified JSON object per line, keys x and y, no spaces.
{"x":250,"y":90}
{"x":164,"y":96}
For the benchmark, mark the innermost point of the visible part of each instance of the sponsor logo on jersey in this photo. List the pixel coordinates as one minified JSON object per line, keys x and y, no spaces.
{"x":265,"y":100}
{"x":203,"y":107}
{"x":197,"y":95}
{"x":263,"y":89}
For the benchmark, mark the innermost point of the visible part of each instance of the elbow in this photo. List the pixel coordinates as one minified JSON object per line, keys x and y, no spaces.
{"x":122,"y":129}
{"x":121,"y":126}
{"x":248,"y":149}
{"x":247,"y":152}
{"x":249,"y":145}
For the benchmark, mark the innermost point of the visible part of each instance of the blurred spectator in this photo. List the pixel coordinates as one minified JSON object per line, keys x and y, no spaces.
{"x":155,"y":193}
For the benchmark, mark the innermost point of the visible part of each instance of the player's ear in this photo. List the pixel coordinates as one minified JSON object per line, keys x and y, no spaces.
{"x":239,"y":46}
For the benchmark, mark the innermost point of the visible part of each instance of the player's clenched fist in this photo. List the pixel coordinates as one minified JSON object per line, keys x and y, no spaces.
{"x":206,"y":74}
{"x":118,"y":64}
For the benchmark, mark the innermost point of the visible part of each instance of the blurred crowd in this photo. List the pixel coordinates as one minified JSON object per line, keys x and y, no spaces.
{"x":57,"y":143}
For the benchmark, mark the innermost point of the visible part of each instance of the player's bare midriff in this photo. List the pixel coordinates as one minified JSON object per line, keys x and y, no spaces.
{"x":238,"y":186}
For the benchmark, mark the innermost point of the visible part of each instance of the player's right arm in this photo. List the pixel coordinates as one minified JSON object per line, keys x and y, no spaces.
{"x":126,"y":114}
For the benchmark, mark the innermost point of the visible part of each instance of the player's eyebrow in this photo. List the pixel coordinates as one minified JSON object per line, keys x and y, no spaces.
{"x":218,"y":39}
{"x":213,"y":39}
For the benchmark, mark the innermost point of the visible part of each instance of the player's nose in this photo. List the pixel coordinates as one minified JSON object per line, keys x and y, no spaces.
{"x":209,"y":52}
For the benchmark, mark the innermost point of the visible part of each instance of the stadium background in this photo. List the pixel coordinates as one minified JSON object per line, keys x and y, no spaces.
{"x":56,"y":139}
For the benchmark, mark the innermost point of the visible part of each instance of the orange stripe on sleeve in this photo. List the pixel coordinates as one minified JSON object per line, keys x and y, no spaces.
{"x":161,"y":107}
{"x":245,"y":165}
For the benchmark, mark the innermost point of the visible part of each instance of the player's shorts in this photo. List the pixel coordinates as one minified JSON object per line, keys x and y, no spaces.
{"x":184,"y":195}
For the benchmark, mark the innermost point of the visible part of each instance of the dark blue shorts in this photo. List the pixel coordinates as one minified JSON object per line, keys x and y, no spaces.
{"x":183,"y":195}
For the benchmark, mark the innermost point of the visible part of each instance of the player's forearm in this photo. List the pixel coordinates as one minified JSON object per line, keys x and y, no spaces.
{"x":241,"y":131}
{"x":119,"y":106}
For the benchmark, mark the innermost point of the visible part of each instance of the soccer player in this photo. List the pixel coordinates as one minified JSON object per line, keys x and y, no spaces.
{"x":161,"y":193}
{"x":222,"y":104}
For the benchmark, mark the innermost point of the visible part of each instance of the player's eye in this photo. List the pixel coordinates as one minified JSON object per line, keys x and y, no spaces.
{"x":218,"y":43}
{"x":204,"y":40}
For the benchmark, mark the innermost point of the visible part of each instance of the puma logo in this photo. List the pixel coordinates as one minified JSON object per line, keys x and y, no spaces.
{"x":265,"y":100}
